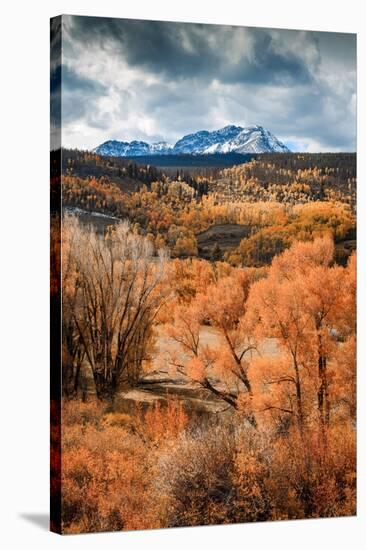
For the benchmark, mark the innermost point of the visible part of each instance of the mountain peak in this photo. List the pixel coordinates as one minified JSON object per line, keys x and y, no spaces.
{"x":229,"y":139}
{"x":229,"y":127}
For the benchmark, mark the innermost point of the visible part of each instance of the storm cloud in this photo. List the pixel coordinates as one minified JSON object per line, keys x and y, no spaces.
{"x":151,"y":80}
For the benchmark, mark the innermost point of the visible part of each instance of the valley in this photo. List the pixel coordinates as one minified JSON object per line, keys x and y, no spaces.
{"x":200,"y":307}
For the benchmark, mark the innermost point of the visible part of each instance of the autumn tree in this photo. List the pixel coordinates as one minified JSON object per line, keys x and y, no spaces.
{"x":275,"y":310}
{"x":220,"y":367}
{"x":302,"y":305}
{"x":185,"y":246}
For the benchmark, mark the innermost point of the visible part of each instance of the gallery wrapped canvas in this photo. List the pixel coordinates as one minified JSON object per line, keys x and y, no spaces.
{"x":203,"y":274}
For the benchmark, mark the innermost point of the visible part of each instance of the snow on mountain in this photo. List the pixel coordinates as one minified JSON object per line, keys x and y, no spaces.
{"x":230,"y":139}
{"x":114,"y":148}
{"x":205,"y":142}
{"x":160,"y":148}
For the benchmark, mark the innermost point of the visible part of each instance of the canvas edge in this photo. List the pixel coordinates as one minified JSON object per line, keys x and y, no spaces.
{"x":55,"y":273}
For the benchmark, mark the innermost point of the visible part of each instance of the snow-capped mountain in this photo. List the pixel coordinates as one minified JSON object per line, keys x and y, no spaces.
{"x":114,"y":148}
{"x":230,"y":139}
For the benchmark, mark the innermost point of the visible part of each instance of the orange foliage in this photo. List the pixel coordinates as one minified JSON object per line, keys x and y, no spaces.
{"x":301,"y":303}
{"x":108,"y":466}
{"x":284,"y":446}
{"x":161,"y":422}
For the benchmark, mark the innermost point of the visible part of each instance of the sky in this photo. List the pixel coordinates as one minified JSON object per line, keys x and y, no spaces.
{"x":151,"y":80}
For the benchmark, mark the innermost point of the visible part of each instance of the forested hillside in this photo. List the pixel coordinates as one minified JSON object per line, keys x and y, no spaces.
{"x":291,"y":178}
{"x":276,"y":199}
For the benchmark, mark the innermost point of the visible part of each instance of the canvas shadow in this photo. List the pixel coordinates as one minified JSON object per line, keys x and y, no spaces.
{"x":40,"y":520}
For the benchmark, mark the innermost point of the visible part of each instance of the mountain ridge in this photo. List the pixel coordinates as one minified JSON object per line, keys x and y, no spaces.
{"x":229,"y":139}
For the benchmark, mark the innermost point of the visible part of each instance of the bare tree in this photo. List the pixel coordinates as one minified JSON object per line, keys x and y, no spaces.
{"x":119,"y":294}
{"x":73,"y":352}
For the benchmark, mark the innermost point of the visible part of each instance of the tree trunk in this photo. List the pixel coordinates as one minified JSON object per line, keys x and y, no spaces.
{"x":300,"y":412}
{"x":77,"y":378}
{"x":323,"y":393}
{"x":105,"y":385}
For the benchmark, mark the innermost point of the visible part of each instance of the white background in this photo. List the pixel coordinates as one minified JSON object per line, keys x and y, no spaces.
{"x":24,"y":333}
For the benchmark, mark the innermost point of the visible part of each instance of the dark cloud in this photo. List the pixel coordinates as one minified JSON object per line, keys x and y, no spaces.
{"x":267,"y":65}
{"x":55,"y":82}
{"x":184,"y":50}
{"x":80,"y":95}
{"x":133,"y":79}
{"x":76,"y":83}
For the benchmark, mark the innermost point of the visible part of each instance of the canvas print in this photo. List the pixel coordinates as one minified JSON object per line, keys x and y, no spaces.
{"x":203,"y":274}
